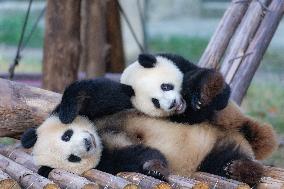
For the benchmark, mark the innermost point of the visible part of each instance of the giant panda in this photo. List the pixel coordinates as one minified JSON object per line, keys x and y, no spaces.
{"x":155,"y":86}
{"x":75,"y":148}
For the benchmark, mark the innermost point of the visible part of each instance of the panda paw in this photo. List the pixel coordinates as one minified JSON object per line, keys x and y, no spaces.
{"x":156,"y":169}
{"x":247,"y":171}
{"x":196,"y":103}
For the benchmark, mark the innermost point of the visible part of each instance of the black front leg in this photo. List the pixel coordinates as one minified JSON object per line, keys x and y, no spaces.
{"x":135,"y":158}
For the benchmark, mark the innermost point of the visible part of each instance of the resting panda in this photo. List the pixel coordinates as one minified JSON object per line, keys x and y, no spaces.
{"x":75,"y":148}
{"x":231,"y":153}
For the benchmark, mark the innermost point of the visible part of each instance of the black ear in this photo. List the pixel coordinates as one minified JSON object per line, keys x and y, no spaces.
{"x":44,"y":171}
{"x":29,"y":138}
{"x":147,"y":60}
{"x":128,"y":90}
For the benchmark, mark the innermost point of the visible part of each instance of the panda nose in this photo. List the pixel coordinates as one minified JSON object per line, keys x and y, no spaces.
{"x":173,"y":104}
{"x":88,"y":144}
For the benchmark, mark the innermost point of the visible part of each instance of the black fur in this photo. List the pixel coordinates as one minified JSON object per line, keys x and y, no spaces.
{"x":29,"y":138}
{"x":44,"y":171}
{"x":147,"y":60}
{"x":130,"y":159}
{"x":67,"y":135}
{"x":191,"y":92}
{"x":93,"y":98}
{"x":220,"y":157}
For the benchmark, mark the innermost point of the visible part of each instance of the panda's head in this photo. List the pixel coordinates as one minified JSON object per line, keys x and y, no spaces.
{"x":75,"y":147}
{"x":156,"y":82}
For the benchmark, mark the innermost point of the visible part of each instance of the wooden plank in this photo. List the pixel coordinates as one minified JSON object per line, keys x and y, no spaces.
{"x":7,"y":182}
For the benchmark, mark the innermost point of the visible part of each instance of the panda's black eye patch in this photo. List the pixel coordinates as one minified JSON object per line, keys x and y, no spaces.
{"x":67,"y":135}
{"x":73,"y":158}
{"x":167,"y":87}
{"x":156,"y":102}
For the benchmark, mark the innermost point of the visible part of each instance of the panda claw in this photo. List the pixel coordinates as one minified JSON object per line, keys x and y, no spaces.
{"x":197,"y":107}
{"x":199,"y":102}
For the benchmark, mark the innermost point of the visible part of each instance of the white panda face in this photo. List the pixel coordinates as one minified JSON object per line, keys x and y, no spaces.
{"x":74,"y":147}
{"x":157,"y":89}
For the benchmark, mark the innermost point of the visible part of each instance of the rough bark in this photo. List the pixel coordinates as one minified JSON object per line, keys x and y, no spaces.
{"x":61,"y":44}
{"x":22,"y":107}
{"x":144,"y":181}
{"x":270,"y":183}
{"x":66,"y":179}
{"x":25,"y":177}
{"x":258,"y":46}
{"x":105,"y":179}
{"x":95,"y":45}
{"x":115,"y":61}
{"x":242,"y":38}
{"x":224,"y":32}
{"x":7,"y":182}
{"x":215,"y":181}
{"x":274,"y":172}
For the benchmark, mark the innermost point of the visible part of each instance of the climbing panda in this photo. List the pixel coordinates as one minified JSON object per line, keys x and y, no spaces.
{"x":75,"y":148}
{"x":170,"y":90}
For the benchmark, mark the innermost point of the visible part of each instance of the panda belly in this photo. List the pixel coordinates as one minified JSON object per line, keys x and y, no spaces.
{"x":185,"y":146}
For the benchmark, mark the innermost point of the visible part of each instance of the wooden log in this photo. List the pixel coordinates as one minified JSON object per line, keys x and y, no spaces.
{"x":270,"y":183}
{"x":218,"y":182}
{"x":224,"y":32}
{"x":7,"y":182}
{"x":61,"y":44}
{"x":144,"y":181}
{"x":67,"y":179}
{"x":184,"y":182}
{"x":25,"y":177}
{"x":19,"y":156}
{"x":241,"y":39}
{"x":258,"y":46}
{"x":108,"y":180}
{"x":274,"y":172}
{"x":23,"y":106}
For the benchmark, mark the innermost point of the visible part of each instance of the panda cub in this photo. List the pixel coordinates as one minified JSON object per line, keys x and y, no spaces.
{"x":75,"y":148}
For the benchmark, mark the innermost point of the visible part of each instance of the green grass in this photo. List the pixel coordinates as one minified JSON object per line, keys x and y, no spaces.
{"x":191,"y":48}
{"x":11,"y":26}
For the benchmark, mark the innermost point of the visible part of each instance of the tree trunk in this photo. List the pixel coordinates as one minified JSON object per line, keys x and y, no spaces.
{"x":223,"y":34}
{"x":94,"y":44}
{"x":115,"y":61}
{"x":24,"y":176}
{"x":22,"y":107}
{"x":61,"y":44}
{"x":257,"y":47}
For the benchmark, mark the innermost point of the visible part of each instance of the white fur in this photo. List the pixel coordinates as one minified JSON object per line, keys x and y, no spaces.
{"x":146,"y":83}
{"x":50,"y":150}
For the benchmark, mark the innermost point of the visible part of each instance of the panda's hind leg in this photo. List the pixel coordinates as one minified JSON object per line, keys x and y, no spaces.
{"x":135,"y":158}
{"x":228,"y":160}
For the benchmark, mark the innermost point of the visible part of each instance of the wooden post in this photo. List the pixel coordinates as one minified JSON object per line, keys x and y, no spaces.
{"x":115,"y":61}
{"x":94,"y":45}
{"x":224,"y":32}
{"x":61,"y":44}
{"x":257,"y":47}
{"x":23,"y":106}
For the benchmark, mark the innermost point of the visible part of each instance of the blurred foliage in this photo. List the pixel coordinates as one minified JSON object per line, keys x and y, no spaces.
{"x":11,"y":24}
{"x":189,"y":47}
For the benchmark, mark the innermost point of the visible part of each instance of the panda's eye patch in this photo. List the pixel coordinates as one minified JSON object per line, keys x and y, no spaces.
{"x":156,"y":102}
{"x":67,"y":135}
{"x":167,"y":87}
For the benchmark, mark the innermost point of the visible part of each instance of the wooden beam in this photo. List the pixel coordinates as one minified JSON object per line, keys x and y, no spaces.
{"x":22,"y":107}
{"x":257,"y":47}
{"x":223,"y":34}
{"x":7,"y":182}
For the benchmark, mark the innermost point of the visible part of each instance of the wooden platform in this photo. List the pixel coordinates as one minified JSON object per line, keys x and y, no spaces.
{"x":17,"y":170}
